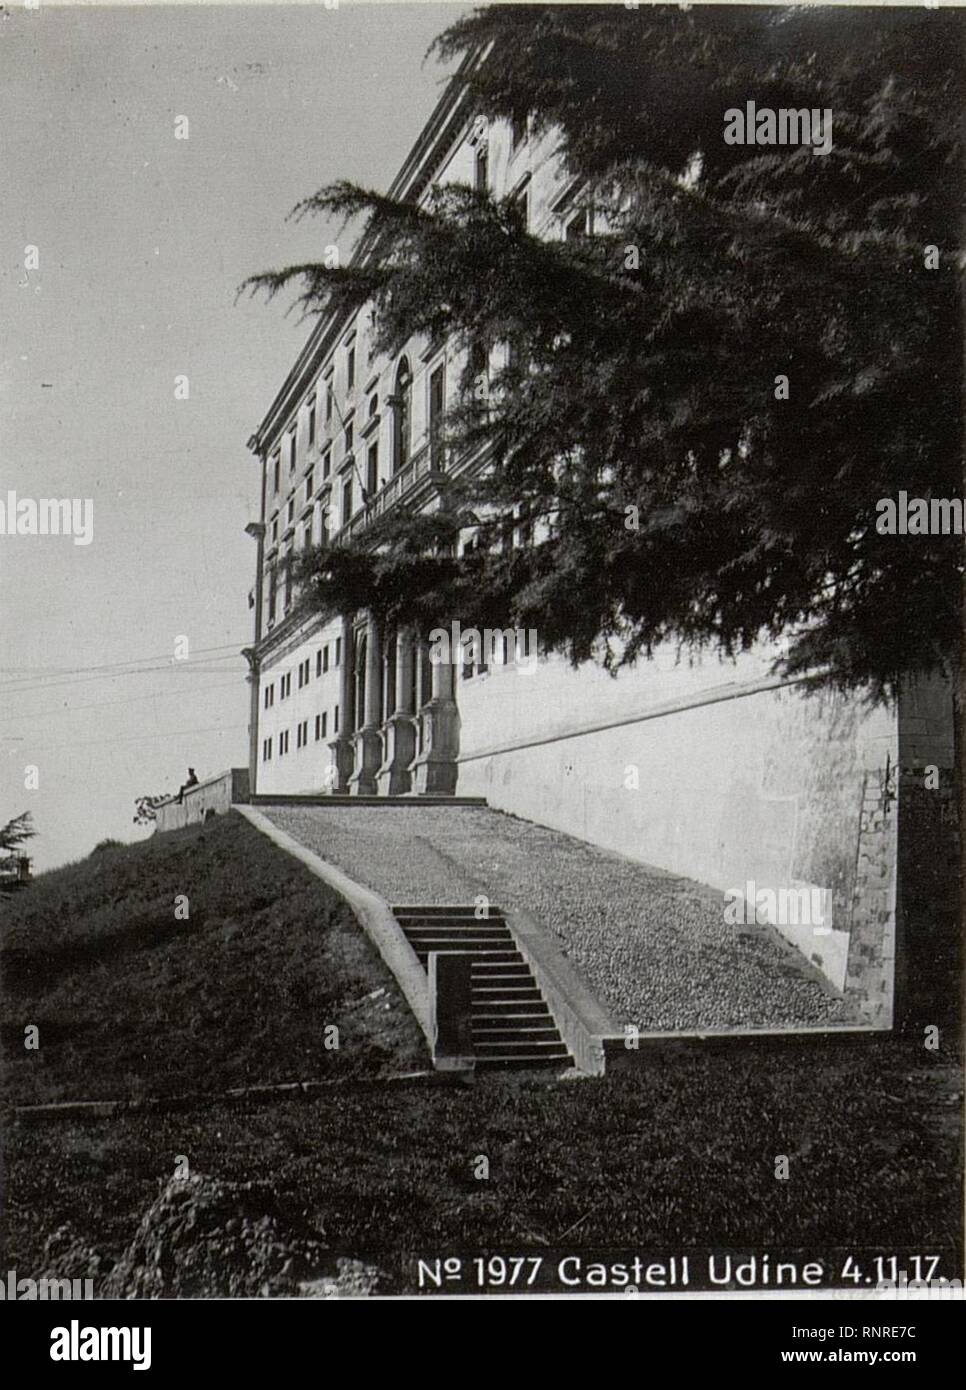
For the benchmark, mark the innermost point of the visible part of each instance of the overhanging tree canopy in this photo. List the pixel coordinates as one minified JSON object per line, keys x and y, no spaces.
{"x":642,"y":387}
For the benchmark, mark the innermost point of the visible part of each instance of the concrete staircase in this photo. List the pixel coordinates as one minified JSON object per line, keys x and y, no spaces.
{"x":511,"y":1023}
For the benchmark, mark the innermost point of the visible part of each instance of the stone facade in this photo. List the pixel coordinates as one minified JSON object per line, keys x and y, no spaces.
{"x":350,"y":435}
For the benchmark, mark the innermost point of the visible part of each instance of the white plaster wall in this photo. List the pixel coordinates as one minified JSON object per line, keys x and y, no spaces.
{"x":301,"y":769}
{"x":762,"y":785}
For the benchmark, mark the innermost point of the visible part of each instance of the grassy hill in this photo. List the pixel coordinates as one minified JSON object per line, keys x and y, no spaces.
{"x":132,"y":1001}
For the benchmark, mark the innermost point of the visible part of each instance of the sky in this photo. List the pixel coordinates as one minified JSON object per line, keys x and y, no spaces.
{"x":142,"y":240}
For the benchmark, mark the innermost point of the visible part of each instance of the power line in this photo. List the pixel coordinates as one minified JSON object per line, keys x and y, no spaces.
{"x":136,"y":738}
{"x":127,"y":700}
{"x":170,"y":667}
{"x":109,"y":665}
{"x":114,"y":675}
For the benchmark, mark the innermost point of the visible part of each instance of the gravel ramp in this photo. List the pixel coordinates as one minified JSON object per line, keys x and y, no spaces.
{"x":654,"y":947}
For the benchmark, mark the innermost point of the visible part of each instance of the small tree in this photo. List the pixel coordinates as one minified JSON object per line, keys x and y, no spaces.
{"x":145,"y":809}
{"x":17,"y":832}
{"x":13,"y":836}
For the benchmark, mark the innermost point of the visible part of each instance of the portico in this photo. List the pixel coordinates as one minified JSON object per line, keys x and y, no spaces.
{"x":401,"y":723}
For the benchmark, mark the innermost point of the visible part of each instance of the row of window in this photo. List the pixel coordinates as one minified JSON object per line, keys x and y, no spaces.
{"x":312,"y":407}
{"x":350,"y":497}
{"x":301,"y":735}
{"x":510,"y":652}
{"x":305,"y":672}
{"x":359,"y":484}
{"x":282,"y":746}
{"x":518,"y":534}
{"x":288,"y":449}
{"x":518,"y":134}
{"x":518,"y":647}
{"x":401,"y":403}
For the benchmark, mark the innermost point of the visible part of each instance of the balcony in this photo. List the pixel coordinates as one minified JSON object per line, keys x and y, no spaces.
{"x":399,"y":487}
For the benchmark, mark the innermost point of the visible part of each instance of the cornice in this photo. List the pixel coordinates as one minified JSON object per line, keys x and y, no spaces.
{"x":435,"y":140}
{"x":288,"y":634}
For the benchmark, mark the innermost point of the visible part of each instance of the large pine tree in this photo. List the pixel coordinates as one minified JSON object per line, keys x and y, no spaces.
{"x":690,"y":500}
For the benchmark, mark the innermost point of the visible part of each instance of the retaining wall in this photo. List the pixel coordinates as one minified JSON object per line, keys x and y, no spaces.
{"x":213,"y":797}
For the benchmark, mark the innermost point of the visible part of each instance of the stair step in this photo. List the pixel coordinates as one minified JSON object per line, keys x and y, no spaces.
{"x":493,"y":957}
{"x":455,"y":928}
{"x":463,"y":938}
{"x":498,"y":989}
{"x":511,"y":1024}
{"x":497,"y":982}
{"x":457,"y":923}
{"x":444,"y":925}
{"x":461,"y":910}
{"x":460,"y":933}
{"x":515,"y":1029}
{"x":515,"y":1063}
{"x":487,"y":999}
{"x":523,"y":1003}
{"x":528,"y":1013}
{"x":457,"y":943}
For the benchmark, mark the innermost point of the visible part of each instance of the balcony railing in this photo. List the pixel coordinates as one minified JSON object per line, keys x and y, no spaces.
{"x":391,"y":493}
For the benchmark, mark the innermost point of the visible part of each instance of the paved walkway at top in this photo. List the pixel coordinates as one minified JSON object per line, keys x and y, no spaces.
{"x":654,"y":947}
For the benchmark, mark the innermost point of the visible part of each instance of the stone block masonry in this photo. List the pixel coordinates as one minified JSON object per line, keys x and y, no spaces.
{"x":929,"y":899}
{"x":870,"y":973}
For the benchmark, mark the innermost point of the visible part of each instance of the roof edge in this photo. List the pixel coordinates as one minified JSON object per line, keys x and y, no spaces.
{"x":423,"y":158}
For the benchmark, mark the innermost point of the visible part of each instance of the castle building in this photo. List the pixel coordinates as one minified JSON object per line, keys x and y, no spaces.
{"x":720,"y":771}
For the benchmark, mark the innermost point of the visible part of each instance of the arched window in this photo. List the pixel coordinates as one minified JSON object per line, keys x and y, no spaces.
{"x":402,"y":416}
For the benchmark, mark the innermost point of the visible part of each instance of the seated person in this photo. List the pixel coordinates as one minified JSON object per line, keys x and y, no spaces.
{"x":191,"y":781}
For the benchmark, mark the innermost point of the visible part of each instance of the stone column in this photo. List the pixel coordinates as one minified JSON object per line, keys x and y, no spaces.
{"x":435,"y":769}
{"x":340,"y":748}
{"x":368,"y":739}
{"x":395,"y":778}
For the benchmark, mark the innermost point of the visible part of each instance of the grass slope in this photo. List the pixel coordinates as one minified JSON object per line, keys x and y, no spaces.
{"x":131,"y":1001}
